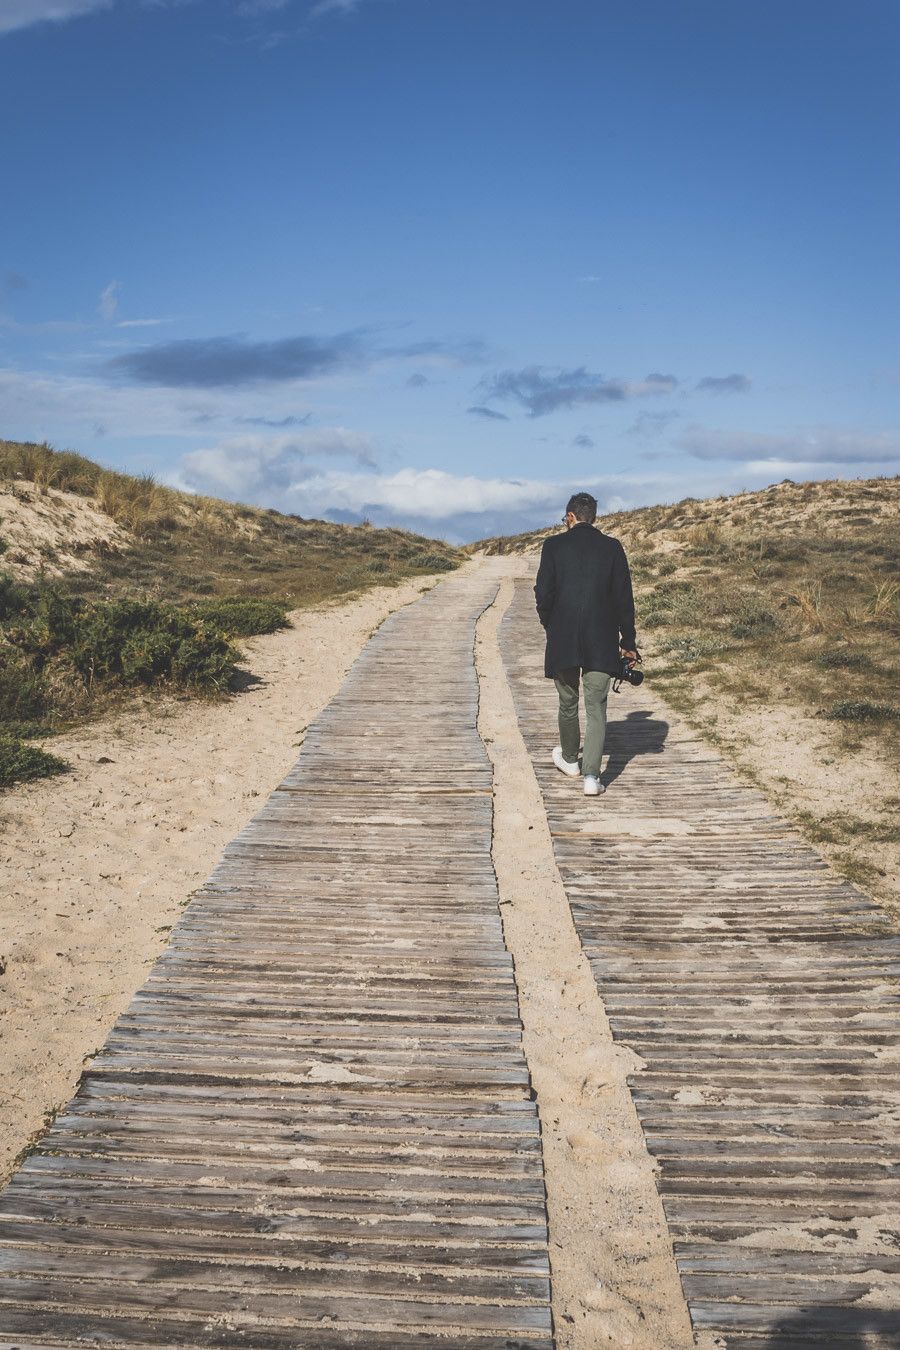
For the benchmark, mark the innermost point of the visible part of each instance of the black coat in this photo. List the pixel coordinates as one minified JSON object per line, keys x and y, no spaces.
{"x":584,"y":600}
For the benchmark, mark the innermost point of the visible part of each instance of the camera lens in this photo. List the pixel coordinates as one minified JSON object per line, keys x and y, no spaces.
{"x":637,"y":677}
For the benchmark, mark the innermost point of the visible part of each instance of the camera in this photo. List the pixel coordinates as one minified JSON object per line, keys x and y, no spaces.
{"x":629,"y":673}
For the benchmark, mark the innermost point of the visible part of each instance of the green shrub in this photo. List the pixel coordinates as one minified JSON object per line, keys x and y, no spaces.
{"x":21,"y":763}
{"x":850,"y":711}
{"x":24,"y":697}
{"x":781,"y":548}
{"x":671,"y":602}
{"x":751,"y":618}
{"x":691,"y":649}
{"x":104,"y":632}
{"x":436,"y":562}
{"x":244,"y":617}
{"x":145,"y":641}
{"x":665,"y":567}
{"x":56,"y":649}
{"x":640,"y":562}
{"x":13,"y":598}
{"x":54,"y":623}
{"x":377,"y":565}
{"x":839,"y":660}
{"x":654,"y":615}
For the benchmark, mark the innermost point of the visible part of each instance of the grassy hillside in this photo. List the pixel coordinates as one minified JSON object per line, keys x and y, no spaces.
{"x":772,"y":620}
{"x":176,"y":546}
{"x":111,"y":584}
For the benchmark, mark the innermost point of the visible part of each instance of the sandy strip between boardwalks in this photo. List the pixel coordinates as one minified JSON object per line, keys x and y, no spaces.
{"x":96,"y":866}
{"x":614,"y":1277}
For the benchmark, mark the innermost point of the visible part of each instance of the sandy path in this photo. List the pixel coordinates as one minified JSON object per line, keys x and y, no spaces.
{"x":95,"y":867}
{"x":614,"y":1276}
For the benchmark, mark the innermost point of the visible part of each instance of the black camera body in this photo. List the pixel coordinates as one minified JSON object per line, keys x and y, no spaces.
{"x":629,"y":673}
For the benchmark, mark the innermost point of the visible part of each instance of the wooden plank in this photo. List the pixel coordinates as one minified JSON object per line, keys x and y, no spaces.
{"x":696,"y":1258}
{"x":354,"y":1276}
{"x":426,"y":1253}
{"x":46,"y":1329}
{"x":243,"y":1308}
{"x":294,"y":1174}
{"x":812,"y":1321}
{"x":317,"y":1218}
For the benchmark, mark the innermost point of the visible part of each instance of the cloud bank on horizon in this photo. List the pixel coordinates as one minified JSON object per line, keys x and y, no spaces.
{"x":465,"y":507}
{"x":303,"y":272}
{"x":459,"y":507}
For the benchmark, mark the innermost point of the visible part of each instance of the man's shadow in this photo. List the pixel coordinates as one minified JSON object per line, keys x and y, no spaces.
{"x":840,"y":1327}
{"x":636,"y":734}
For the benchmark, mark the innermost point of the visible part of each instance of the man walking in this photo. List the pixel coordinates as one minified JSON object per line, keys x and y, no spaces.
{"x":585,"y":603}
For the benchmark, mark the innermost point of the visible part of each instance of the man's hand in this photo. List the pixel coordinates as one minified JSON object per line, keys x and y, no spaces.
{"x":629,"y":656}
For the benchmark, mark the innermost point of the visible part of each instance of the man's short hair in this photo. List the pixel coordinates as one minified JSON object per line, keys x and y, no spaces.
{"x":583,"y":507}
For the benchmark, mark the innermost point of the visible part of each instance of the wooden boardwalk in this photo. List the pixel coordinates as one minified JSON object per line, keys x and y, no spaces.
{"x":763,"y":995}
{"x":313,"y":1126}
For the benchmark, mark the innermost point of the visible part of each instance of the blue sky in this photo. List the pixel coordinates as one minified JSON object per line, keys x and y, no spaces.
{"x":440,"y":262}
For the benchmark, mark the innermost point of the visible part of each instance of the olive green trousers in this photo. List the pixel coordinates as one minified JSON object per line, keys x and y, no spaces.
{"x":596,"y":689}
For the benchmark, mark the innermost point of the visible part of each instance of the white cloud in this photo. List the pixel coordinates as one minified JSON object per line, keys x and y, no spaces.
{"x":269,"y":469}
{"x":463,"y":506}
{"x":108,"y":303}
{"x":431,"y":501}
{"x":286,"y":471}
{"x":15,"y":14}
{"x":431,"y":494}
{"x":797,"y":450}
{"x":773,"y":469}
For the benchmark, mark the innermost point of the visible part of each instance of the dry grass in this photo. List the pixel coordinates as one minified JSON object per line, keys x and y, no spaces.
{"x":139,"y":505}
{"x":707,"y":534}
{"x":809,"y":604}
{"x":48,"y":468}
{"x":885,"y":602}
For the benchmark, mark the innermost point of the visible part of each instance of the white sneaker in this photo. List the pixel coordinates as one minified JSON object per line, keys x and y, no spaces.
{"x":593,"y":787}
{"x":563,"y":764}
